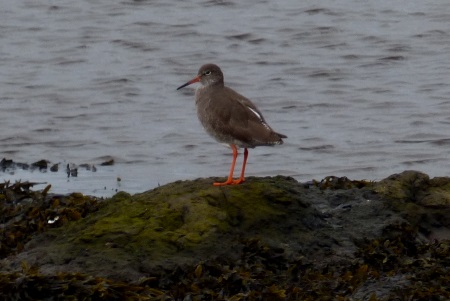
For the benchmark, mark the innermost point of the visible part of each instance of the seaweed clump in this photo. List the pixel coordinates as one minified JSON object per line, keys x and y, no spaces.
{"x":333,"y":182}
{"x":264,"y":273}
{"x":420,"y":271}
{"x":24,"y":213}
{"x":30,"y":284}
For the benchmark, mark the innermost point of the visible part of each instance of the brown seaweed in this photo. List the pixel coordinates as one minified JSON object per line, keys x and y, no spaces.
{"x":398,"y":264}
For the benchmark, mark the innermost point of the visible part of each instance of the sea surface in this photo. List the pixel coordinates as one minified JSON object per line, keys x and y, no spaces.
{"x":361,"y":88}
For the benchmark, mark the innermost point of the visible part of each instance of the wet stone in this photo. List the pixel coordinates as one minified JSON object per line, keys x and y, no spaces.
{"x":270,"y":238}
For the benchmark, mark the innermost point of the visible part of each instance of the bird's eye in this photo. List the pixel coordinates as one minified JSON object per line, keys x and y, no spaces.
{"x":208,"y":72}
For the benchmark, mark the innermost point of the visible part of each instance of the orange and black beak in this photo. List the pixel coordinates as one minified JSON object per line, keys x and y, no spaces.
{"x":194,"y":80}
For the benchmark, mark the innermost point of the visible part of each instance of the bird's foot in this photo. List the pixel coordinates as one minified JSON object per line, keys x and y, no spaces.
{"x":229,"y":182}
{"x":239,"y":181}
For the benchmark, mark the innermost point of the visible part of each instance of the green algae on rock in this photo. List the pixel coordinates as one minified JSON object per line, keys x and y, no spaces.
{"x":268,"y":239}
{"x":424,"y":202}
{"x":188,"y":219}
{"x":417,"y":187}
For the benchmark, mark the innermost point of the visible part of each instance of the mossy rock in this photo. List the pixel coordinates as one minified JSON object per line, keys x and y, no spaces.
{"x":178,"y":223}
{"x":423,"y":202}
{"x":267,"y":239}
{"x":405,"y":186}
{"x":416,"y":187}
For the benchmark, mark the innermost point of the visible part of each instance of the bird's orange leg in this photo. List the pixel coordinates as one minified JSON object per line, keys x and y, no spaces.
{"x":229,"y":181}
{"x":241,"y":179}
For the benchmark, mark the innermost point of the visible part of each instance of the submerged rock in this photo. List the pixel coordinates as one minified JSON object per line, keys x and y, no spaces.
{"x":268,"y":239}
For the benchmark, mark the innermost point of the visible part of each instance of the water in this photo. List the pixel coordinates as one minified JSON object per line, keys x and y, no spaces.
{"x":360,"y":88}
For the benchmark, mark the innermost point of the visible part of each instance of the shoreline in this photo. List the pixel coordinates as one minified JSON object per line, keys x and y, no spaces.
{"x":271,"y":238}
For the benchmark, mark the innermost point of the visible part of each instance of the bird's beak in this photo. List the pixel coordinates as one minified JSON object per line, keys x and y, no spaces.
{"x":194,"y":80}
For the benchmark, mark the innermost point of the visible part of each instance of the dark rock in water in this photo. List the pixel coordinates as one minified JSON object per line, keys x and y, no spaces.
{"x":54,"y":167}
{"x":41,"y":164}
{"x":108,"y":163}
{"x":4,"y":163}
{"x":267,"y":239}
{"x":72,"y":170}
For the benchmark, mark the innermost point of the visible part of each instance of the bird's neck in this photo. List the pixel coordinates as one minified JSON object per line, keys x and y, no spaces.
{"x":211,"y":86}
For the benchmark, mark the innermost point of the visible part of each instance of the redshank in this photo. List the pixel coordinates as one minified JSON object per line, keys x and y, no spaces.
{"x":230,"y":117}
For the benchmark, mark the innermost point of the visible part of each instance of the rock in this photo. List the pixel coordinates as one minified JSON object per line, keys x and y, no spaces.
{"x":424,"y":202}
{"x":404,"y":186}
{"x":41,"y":164}
{"x":268,"y":239}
